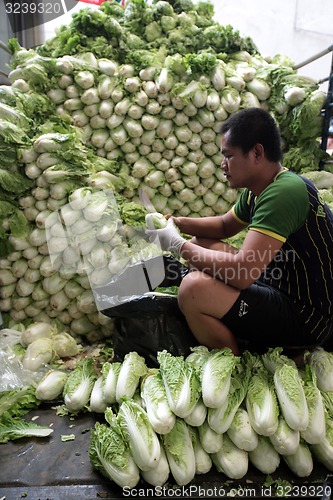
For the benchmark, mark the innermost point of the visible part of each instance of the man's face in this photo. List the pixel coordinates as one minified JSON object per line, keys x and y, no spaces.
{"x":235,"y":165}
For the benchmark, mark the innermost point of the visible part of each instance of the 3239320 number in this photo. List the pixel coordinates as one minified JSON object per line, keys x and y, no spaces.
{"x":18,"y":8}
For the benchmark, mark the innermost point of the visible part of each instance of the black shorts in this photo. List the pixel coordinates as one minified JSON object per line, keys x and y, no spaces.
{"x":264,"y":317}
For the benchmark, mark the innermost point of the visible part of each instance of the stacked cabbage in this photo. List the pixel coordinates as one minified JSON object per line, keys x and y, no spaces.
{"x":115,"y":104}
{"x":209,"y":408}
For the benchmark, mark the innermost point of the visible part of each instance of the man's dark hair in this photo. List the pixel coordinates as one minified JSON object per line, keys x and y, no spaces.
{"x":251,"y":126}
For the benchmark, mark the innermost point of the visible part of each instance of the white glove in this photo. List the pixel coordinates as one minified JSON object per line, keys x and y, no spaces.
{"x":169,"y":237}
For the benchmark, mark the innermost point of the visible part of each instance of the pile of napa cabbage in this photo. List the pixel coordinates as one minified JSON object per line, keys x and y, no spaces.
{"x":190,"y":414}
{"x":109,"y":105}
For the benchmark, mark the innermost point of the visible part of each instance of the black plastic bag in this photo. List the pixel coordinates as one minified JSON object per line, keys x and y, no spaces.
{"x":151,"y":323}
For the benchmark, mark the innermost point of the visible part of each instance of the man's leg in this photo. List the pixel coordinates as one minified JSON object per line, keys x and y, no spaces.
{"x":204,"y":301}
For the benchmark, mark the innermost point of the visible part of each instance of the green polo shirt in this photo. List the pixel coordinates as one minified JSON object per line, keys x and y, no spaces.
{"x":291,"y":210}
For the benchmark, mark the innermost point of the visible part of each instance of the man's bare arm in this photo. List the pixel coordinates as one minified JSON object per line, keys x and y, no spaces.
{"x":239,"y":269}
{"x":215,"y":227}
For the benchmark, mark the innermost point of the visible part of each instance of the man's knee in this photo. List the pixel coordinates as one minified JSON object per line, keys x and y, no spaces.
{"x":189,"y":283}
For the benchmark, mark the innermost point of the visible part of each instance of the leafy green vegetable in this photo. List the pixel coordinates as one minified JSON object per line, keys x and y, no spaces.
{"x":139,"y":434}
{"x":216,"y":376}
{"x":264,"y":457}
{"x":261,"y":400}
{"x":220,"y":418}
{"x":109,"y":454}
{"x":323,"y":450}
{"x":12,"y":134}
{"x":38,"y":354}
{"x":79,"y":385}
{"x":181,"y":383}
{"x":155,"y":221}
{"x":18,"y":402}
{"x":290,"y":393}
{"x":16,"y":428}
{"x":181,"y":27}
{"x":13,"y":182}
{"x":170,"y":290}
{"x":132,"y":369}
{"x":230,"y":460}
{"x":51,"y":385}
{"x":285,"y":440}
{"x":316,"y":429}
{"x":308,"y":112}
{"x":180,"y":452}
{"x":156,"y":404}
{"x":159,"y":475}
{"x":241,"y":432}
{"x":301,"y":462}
{"x":110,"y":373}
{"x":322,"y":362}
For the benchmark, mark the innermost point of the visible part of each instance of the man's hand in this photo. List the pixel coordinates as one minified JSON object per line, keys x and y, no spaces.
{"x":169,"y":237}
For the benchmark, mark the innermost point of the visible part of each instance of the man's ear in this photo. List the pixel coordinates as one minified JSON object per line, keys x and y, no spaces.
{"x":258,"y":151}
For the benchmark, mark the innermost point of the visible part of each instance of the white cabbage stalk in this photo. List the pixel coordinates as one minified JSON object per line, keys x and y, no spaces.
{"x":323,"y":450}
{"x":65,"y":345}
{"x":51,"y":385}
{"x":249,"y":100}
{"x":211,"y":441}
{"x":301,"y":462}
{"x":84,"y":79}
{"x":107,"y":67}
{"x":181,"y":383}
{"x":203,"y":462}
{"x":230,"y":99}
{"x":259,"y":88}
{"x":295,"y":95}
{"x":132,"y":369}
{"x":86,"y":302}
{"x":59,"y":300}
{"x":97,"y":403}
{"x":322,"y":362}
{"x":216,"y":377}
{"x":159,"y":475}
{"x":7,"y":277}
{"x":261,"y":403}
{"x":316,"y":429}
{"x":53,"y":284}
{"x":285,"y":440}
{"x":78,"y":199}
{"x":180,"y":453}
{"x":139,"y":434}
{"x":110,"y":373}
{"x":109,"y":454}
{"x":156,"y":403}
{"x":264,"y":457}
{"x":291,"y":396}
{"x":230,"y":460}
{"x":38,"y":354}
{"x":57,"y":95}
{"x":155,"y":220}
{"x":274,"y":358}
{"x":37,"y":330}
{"x":218,"y":76}
{"x":79,"y":385}
{"x":198,"y":415}
{"x":50,"y":142}
{"x":241,"y":432}
{"x":235,"y":81}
